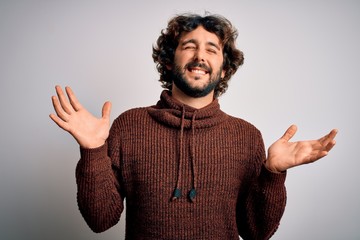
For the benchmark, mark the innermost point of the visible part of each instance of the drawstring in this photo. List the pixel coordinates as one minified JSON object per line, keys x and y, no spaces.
{"x":177,"y":191}
{"x":192,"y":192}
{"x":176,"y":115}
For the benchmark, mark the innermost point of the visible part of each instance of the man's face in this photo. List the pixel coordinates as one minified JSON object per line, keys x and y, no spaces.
{"x":198,"y":63}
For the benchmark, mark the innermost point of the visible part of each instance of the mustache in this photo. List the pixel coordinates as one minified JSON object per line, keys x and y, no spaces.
{"x":199,"y":65}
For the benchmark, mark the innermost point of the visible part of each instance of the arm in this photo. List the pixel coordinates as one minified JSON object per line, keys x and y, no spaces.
{"x":260,"y":211}
{"x":99,"y":193}
{"x":97,"y":172}
{"x":261,"y":207}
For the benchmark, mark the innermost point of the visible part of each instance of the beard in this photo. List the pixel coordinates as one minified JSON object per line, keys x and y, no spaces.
{"x":181,"y":82}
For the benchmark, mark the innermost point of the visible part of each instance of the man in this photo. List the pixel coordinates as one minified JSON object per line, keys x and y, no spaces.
{"x":186,"y":169}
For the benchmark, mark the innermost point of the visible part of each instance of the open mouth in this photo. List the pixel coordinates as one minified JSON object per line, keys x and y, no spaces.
{"x":198,"y":70}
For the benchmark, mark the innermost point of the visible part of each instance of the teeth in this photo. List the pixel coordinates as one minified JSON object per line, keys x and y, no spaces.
{"x":198,"y":71}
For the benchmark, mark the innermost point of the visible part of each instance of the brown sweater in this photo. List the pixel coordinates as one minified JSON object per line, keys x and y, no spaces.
{"x":185,"y":174}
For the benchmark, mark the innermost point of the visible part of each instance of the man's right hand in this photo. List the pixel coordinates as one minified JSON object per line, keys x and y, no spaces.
{"x":88,"y":131}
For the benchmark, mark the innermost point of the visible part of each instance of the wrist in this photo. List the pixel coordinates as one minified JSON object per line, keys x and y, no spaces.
{"x":272,"y":168}
{"x":92,"y":145}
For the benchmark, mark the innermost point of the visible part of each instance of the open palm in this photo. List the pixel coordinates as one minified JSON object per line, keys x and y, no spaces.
{"x":283,"y":154}
{"x":88,"y":131}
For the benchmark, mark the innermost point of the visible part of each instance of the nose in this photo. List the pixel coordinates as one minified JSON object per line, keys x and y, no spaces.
{"x":199,"y":55}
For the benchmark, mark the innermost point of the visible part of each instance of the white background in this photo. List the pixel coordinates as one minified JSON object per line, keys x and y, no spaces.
{"x":301,"y":66}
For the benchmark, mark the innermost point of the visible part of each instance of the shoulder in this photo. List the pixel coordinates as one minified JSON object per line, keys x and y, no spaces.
{"x":240,"y":124}
{"x":131,"y":116}
{"x":132,"y":120}
{"x":134,"y":112}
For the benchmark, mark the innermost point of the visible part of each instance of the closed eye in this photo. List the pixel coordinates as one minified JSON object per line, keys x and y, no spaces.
{"x":212,"y":50}
{"x":189,"y":46}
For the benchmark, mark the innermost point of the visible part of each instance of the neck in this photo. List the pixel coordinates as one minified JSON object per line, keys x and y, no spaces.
{"x":191,"y":101}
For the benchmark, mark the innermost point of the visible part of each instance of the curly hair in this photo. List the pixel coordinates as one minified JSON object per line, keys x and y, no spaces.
{"x":164,"y":51}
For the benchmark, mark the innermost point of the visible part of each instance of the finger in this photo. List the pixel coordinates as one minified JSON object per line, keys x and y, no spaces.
{"x":330,"y":146}
{"x":290,"y":132}
{"x":328,"y":138}
{"x":63,"y":100}
{"x":73,"y":100}
{"x":59,"y":122}
{"x":58,"y":109}
{"x":325,"y":150}
{"x":106,"y":110}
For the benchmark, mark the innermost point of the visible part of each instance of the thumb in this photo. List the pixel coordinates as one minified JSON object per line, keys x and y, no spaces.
{"x":106,"y":110}
{"x":290,"y":132}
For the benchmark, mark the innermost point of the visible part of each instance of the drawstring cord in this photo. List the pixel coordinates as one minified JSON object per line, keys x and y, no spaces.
{"x":192,"y":192}
{"x":177,"y":191}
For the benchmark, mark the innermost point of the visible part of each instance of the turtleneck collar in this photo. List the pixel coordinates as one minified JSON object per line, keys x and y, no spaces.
{"x":173,"y":113}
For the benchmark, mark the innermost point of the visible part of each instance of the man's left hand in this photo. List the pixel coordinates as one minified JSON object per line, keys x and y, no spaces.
{"x":283,"y":154}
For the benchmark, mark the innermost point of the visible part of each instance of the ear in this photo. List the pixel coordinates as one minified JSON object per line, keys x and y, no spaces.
{"x":223,"y":73}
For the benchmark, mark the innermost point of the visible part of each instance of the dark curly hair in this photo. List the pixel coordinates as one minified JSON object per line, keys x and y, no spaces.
{"x":164,"y":51}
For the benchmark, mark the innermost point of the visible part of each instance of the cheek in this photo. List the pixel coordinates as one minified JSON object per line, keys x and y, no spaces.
{"x":181,"y":61}
{"x":177,"y":58}
{"x":218,"y":65}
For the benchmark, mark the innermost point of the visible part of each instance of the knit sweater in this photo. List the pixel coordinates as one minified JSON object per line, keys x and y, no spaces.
{"x":185,"y":173}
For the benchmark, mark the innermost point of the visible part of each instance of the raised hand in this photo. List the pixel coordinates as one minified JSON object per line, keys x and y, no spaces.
{"x":88,"y":131}
{"x":283,"y":154}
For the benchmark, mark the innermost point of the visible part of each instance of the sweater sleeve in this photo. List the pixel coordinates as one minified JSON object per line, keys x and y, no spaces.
{"x":261,"y":207}
{"x":98,"y":189}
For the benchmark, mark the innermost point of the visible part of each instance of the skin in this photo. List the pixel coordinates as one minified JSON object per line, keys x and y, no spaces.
{"x":201,"y":46}
{"x":88,"y":131}
{"x":284,"y":154}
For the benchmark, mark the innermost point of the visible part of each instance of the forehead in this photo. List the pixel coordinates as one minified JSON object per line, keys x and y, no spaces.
{"x":200,"y":35}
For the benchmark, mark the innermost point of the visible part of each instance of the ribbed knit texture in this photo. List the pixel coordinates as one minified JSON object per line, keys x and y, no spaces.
{"x":212,"y":160}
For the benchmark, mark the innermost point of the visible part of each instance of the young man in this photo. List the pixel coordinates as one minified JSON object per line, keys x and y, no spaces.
{"x":186,"y":169}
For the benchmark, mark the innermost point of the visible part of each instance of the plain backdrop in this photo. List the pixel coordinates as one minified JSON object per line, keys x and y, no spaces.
{"x":301,"y":66}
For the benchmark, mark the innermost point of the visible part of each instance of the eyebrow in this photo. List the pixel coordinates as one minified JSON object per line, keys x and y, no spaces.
{"x":196,"y":42}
